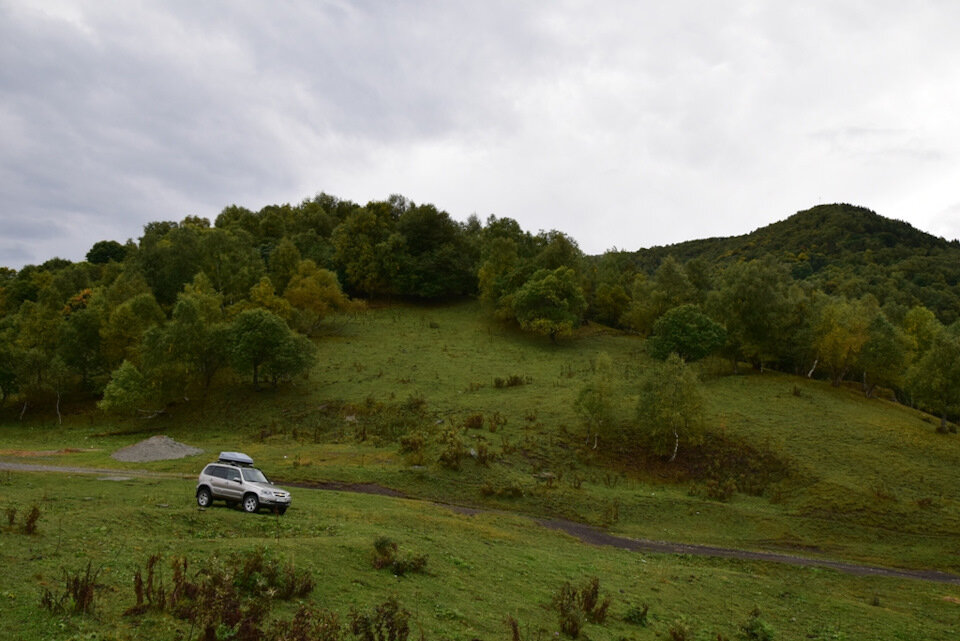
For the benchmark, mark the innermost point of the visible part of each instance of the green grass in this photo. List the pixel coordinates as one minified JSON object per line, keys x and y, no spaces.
{"x":870,"y":480}
{"x":480,"y":569}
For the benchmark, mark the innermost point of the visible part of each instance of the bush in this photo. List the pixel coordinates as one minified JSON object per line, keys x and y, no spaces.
{"x":637,"y":615}
{"x":30,"y":523}
{"x":453,"y":452}
{"x":232,"y":595}
{"x":756,"y":628}
{"x":514,"y":380}
{"x":570,"y":616}
{"x":388,"y":622}
{"x":574,"y":606}
{"x":679,"y":631}
{"x":717,"y":490}
{"x":80,"y":589}
{"x":474,"y":422}
{"x":386,"y":555}
{"x":307,"y":625}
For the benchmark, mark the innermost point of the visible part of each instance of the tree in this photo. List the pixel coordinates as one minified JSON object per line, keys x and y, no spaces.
{"x":687,"y":332}
{"x":609,"y":303}
{"x":79,"y":344}
{"x":669,"y":288}
{"x":594,"y":403}
{"x":105,"y":251}
{"x":752,"y":304}
{"x":840,"y":334}
{"x":294,"y":356}
{"x":934,"y":380}
{"x":283,"y":263}
{"x":314,"y":293}
{"x":197,"y":339}
{"x":122,"y":332}
{"x":361,"y":249}
{"x":230,"y":261}
{"x":669,"y":407}
{"x":884,"y":356}
{"x":127,"y":392}
{"x":497,"y":276}
{"x":436,"y":261}
{"x":265,"y":296}
{"x":550,"y":303}
{"x":921,"y":327}
{"x":263,"y":340}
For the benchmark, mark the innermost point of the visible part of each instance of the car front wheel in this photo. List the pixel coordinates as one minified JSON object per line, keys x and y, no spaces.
{"x":204,"y":498}
{"x":251,"y":503}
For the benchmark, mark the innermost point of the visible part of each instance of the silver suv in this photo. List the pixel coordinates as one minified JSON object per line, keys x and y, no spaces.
{"x":234,"y":479}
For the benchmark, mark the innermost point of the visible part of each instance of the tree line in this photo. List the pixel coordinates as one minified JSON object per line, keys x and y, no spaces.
{"x":139,"y":324}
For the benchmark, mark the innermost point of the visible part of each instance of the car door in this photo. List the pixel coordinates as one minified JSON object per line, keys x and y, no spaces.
{"x":233,"y":486}
{"x":217,"y":475}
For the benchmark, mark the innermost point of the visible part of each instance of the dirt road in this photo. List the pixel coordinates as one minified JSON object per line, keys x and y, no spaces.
{"x":586,"y":533}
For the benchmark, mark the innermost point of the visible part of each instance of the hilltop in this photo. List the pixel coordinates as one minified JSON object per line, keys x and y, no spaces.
{"x":840,"y":248}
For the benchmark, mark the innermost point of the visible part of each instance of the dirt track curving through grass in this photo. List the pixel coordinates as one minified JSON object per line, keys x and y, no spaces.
{"x":586,"y":533}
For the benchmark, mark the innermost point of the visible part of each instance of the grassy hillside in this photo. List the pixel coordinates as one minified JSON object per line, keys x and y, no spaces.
{"x":822,"y":472}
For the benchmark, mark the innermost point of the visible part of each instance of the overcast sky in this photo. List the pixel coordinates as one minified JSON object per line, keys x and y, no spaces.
{"x":623,"y":124}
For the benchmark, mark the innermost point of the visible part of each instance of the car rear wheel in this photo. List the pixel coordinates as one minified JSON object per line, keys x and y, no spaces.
{"x":204,"y":498}
{"x":251,"y":503}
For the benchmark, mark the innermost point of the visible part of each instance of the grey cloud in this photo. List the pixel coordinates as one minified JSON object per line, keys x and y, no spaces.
{"x":620,"y":123}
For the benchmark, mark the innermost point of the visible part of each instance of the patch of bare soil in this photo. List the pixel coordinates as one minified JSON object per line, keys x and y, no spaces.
{"x":32,"y":453}
{"x":155,"y":448}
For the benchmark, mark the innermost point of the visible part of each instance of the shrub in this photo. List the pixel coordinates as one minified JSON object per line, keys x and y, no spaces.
{"x":388,"y":622}
{"x":574,"y":606}
{"x":307,"y":625}
{"x":412,"y":443}
{"x":384,"y":552}
{"x":386,"y":555}
{"x":232,"y":596}
{"x":514,"y":380}
{"x":637,"y":615}
{"x":717,"y":490}
{"x":453,"y":452}
{"x":474,"y":422}
{"x":589,"y":599}
{"x":496,"y":421}
{"x":679,"y":631}
{"x":570,"y":616}
{"x":30,"y":523}
{"x":80,"y":589}
{"x":756,"y":628}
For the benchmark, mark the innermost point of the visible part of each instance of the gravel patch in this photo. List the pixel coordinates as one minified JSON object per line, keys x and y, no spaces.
{"x":155,"y":448}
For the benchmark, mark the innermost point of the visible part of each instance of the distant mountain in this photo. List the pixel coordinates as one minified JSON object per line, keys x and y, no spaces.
{"x":843,"y":249}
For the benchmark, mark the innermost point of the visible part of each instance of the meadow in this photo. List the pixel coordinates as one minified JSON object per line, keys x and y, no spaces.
{"x":449,"y":408}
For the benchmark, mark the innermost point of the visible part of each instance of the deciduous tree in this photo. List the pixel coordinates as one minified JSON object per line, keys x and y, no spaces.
{"x":670,"y":407}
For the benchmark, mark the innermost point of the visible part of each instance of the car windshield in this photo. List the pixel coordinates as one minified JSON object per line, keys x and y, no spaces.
{"x":254,"y":475}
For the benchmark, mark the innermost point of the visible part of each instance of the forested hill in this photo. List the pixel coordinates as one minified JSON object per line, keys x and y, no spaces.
{"x":194,"y":303}
{"x":830,"y":233}
{"x":842,"y":249}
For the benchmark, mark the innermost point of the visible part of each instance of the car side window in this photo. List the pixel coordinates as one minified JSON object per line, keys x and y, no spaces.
{"x":232,"y":474}
{"x":212,"y":470}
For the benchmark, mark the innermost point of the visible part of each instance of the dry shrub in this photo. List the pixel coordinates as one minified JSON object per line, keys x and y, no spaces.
{"x":79,"y":590}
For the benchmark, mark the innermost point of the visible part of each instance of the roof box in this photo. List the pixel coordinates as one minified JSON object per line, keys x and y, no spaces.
{"x":235,"y":457}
